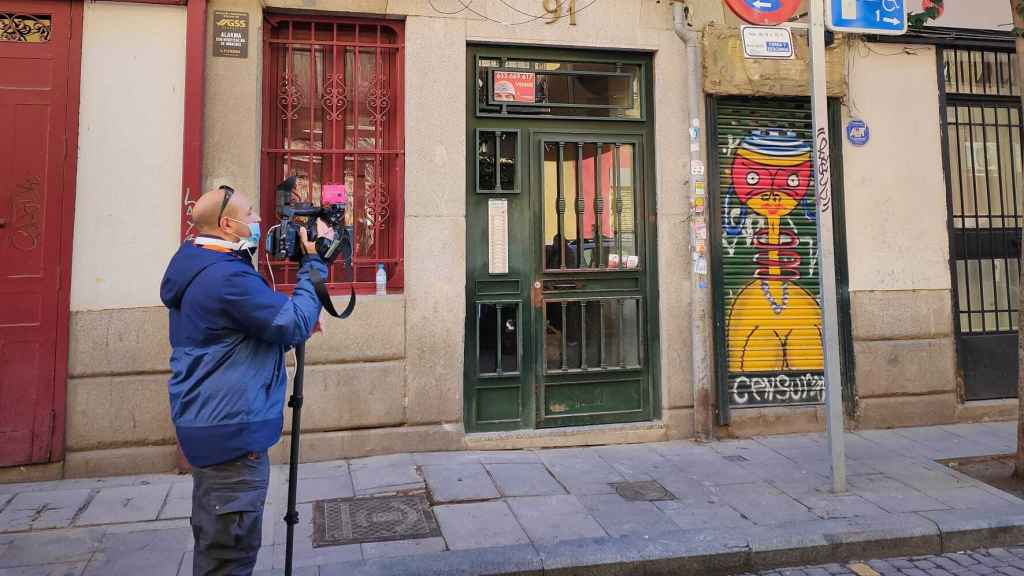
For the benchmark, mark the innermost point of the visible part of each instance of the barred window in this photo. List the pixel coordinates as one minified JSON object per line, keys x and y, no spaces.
{"x":333,"y":114}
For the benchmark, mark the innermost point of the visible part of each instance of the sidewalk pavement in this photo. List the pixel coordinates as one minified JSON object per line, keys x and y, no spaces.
{"x":735,"y":506}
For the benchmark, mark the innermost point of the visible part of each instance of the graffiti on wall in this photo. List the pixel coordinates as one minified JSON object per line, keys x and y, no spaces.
{"x":769,"y":267}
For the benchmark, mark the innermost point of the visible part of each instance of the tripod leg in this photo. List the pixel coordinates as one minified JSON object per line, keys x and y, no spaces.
{"x":291,"y":518}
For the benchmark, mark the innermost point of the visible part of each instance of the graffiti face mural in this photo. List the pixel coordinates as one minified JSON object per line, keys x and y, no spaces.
{"x":773,"y":320}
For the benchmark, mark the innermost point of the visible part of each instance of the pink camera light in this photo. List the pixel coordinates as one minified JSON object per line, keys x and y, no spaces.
{"x":334,"y":194}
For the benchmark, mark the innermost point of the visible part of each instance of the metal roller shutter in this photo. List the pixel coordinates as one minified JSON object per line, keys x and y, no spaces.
{"x":769,"y":315}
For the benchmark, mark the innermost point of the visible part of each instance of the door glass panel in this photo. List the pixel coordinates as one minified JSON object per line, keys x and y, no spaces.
{"x":600,"y":334}
{"x":589,"y":194}
{"x":498,"y":337}
{"x":487,"y":149}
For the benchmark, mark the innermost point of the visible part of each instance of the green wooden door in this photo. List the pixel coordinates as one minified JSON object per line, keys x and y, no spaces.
{"x":589,"y":287}
{"x":561,"y":325}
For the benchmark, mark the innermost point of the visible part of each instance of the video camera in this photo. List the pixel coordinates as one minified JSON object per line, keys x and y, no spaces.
{"x":298,"y":217}
{"x":301,"y":218}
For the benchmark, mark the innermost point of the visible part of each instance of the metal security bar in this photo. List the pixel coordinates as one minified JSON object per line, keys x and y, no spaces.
{"x":984,"y":178}
{"x":599,"y":234}
{"x":593,"y":335}
{"x":333,"y":115}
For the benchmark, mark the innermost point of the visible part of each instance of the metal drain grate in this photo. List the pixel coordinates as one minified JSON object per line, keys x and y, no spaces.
{"x":643,"y":491}
{"x":736,"y":458}
{"x":378,"y":519}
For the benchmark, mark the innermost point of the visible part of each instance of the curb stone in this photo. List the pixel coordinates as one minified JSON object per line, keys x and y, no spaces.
{"x":717,"y":552}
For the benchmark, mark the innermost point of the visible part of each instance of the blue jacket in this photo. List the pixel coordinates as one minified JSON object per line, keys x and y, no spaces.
{"x":229,"y":332}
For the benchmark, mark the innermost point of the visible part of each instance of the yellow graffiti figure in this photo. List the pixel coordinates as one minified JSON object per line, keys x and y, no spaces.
{"x":774,"y":324}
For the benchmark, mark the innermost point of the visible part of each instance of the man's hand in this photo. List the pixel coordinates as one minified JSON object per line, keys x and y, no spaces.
{"x":321,"y":230}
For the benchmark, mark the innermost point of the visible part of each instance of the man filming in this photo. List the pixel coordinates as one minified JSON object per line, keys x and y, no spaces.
{"x":229,"y":331}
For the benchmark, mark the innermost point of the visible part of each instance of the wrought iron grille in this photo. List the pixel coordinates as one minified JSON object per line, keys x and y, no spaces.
{"x":24,"y":28}
{"x":333,"y":114}
{"x":983,"y":131}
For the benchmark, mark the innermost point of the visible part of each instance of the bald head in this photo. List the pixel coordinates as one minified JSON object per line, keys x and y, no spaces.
{"x":236,"y":216}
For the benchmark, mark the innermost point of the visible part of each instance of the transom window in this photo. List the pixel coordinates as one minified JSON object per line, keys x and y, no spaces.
{"x":558,"y":89}
{"x":333,"y":114}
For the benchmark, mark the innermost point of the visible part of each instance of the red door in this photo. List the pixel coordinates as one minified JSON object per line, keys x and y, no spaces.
{"x":35,"y":47}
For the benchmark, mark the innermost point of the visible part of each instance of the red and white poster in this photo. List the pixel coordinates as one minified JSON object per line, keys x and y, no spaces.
{"x":515,"y":86}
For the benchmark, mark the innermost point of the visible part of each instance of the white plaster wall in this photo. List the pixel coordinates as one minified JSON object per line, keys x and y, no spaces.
{"x":980,"y":14}
{"x":896,"y":216}
{"x":127,"y":213}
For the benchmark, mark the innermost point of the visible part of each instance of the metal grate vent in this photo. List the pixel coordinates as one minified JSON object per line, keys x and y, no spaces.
{"x":643,"y":491}
{"x":378,"y":519}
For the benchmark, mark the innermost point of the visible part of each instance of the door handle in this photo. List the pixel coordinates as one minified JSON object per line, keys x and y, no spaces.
{"x":3,"y":222}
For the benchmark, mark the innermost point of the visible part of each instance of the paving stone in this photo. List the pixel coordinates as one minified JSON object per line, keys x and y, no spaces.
{"x":51,"y":547}
{"x":149,"y":552}
{"x":42,"y":510}
{"x":550,"y":519}
{"x":124,"y":504}
{"x":325,"y":488}
{"x":402,"y":548}
{"x":176,"y":508}
{"x":305,"y":553}
{"x":383,"y":474}
{"x":515,"y":480}
{"x":619,"y":517}
{"x":703,"y":516}
{"x":581,"y":471}
{"x":63,"y":569}
{"x":764,"y":504}
{"x":944,"y":443}
{"x":892,"y":495}
{"x":179,"y":502}
{"x":636,"y":461}
{"x":479,"y":525}
{"x":459,"y":483}
{"x":827,"y":506}
{"x":323,"y":469}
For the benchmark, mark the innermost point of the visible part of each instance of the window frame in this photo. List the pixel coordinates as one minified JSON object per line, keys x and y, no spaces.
{"x":386,"y":156}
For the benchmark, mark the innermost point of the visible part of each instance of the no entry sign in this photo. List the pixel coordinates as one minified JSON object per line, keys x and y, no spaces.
{"x":764,"y":12}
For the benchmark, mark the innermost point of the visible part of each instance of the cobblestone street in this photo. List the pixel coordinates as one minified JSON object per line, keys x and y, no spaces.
{"x":994,"y":561}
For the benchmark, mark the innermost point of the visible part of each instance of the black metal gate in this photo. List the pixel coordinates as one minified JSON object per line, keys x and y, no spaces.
{"x":983,"y":179}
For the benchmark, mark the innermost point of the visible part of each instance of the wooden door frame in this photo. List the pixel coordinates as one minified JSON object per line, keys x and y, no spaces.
{"x":560,"y":124}
{"x":73,"y":77}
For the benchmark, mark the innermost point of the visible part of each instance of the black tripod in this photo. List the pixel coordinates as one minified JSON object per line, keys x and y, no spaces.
{"x":291,"y":517}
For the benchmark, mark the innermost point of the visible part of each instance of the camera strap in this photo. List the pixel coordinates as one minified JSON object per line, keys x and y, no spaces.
{"x":325,"y":297}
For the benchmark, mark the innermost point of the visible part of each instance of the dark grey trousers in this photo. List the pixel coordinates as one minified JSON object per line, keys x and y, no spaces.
{"x":227,"y":515}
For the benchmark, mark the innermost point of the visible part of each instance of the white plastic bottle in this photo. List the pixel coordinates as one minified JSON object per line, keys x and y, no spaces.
{"x":382,"y":280}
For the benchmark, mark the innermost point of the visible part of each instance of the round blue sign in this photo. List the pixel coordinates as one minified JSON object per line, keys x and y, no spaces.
{"x":857,"y":132}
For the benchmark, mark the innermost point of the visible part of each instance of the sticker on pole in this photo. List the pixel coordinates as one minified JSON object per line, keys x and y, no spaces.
{"x":767,"y":42}
{"x":764,"y":12}
{"x":887,"y":17}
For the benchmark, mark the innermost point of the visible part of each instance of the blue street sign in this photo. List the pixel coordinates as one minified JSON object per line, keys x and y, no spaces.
{"x":867,"y":16}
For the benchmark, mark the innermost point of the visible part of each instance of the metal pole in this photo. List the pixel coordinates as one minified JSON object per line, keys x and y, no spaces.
{"x":826,"y":248}
{"x":291,"y":517}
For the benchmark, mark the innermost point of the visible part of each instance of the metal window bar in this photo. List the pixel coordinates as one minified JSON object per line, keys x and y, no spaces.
{"x":335,"y":98}
{"x":615,"y":350}
{"x":580,"y":207}
{"x":598,"y":207}
{"x":560,"y":205}
{"x":987,"y":237}
{"x":617,"y":176}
